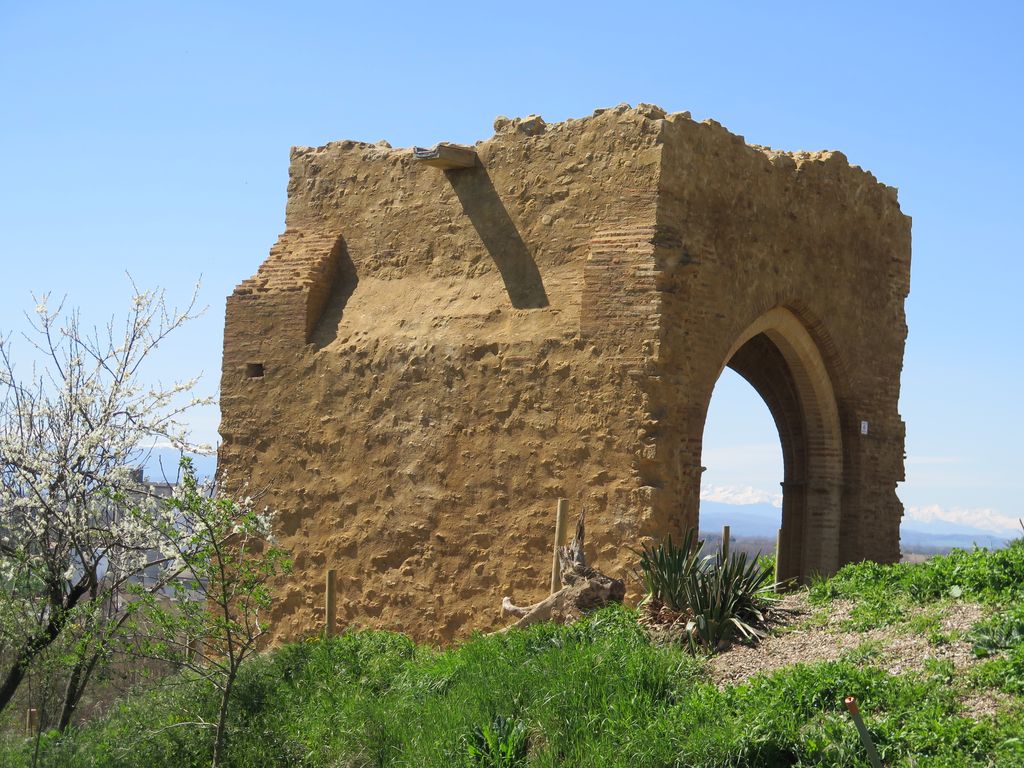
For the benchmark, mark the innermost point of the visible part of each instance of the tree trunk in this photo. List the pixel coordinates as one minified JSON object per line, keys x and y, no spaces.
{"x":12,"y":681}
{"x":80,"y":676}
{"x":24,"y":660}
{"x":40,"y":642}
{"x":222,"y":716}
{"x":72,"y":692}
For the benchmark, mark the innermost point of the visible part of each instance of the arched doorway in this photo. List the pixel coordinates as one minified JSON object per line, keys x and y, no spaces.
{"x":741,"y":485}
{"x":781,"y":361}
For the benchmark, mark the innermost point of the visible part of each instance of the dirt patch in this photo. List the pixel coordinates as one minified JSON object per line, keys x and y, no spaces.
{"x":985,"y":703}
{"x":960,"y":617}
{"x":813,"y":638}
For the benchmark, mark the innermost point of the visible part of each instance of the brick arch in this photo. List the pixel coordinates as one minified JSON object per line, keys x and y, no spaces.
{"x":777,"y":355}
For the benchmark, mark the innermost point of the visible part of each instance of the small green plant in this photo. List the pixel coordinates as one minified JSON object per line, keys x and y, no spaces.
{"x":502,"y":743}
{"x":1007,"y":673}
{"x":925,"y":622}
{"x":873,"y":613}
{"x":866,"y":652}
{"x":768,"y":563}
{"x":1000,"y":632}
{"x":937,"y":637}
{"x":213,"y":617}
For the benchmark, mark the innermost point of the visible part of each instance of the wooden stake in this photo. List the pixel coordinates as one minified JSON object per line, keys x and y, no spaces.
{"x":31,"y":720}
{"x":331,"y":602}
{"x":725,"y":543}
{"x":778,"y":550}
{"x":561,"y":512}
{"x":865,"y":737}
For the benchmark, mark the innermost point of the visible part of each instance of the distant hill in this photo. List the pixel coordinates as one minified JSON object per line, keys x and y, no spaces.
{"x":762,"y":521}
{"x":912,"y":537}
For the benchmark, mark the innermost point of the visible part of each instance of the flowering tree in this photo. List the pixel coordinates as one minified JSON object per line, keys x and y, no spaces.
{"x":76,"y":525}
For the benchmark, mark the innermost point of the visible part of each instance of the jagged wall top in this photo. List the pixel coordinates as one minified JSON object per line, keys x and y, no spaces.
{"x":535,"y":125}
{"x":541,"y":192}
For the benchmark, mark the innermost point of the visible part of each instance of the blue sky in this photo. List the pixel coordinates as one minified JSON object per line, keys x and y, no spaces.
{"x":154,"y":137}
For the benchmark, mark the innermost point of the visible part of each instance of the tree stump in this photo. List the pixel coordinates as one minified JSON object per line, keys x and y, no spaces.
{"x":584,"y":589}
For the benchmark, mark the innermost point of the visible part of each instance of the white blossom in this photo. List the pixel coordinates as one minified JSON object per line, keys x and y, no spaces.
{"x":72,"y":433}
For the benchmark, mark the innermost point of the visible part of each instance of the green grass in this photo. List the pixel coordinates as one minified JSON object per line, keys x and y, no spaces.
{"x":593,"y":694}
{"x":1001,"y":638}
{"x":978,"y":574}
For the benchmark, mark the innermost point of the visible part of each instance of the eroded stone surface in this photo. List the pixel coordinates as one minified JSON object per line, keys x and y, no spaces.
{"x":443,"y":354}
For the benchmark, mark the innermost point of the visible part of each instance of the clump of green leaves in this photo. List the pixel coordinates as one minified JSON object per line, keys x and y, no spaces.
{"x":667,"y":569}
{"x":502,"y":743}
{"x":1005,"y":673}
{"x":721,"y":597}
{"x":1003,"y":631}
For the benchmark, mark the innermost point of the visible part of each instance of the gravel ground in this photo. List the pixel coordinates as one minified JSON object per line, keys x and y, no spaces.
{"x":811,"y":641}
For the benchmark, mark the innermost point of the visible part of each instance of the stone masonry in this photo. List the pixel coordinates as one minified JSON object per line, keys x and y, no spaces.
{"x":429,"y":358}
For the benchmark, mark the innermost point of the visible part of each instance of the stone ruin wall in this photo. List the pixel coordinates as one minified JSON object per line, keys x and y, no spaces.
{"x":809,"y":232}
{"x":428,"y":359}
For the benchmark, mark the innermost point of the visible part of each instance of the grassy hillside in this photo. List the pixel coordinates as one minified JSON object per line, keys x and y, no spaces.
{"x":599,"y":694}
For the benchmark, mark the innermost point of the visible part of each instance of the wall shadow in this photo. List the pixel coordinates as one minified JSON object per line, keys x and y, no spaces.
{"x":343,"y":284}
{"x":481,"y":204}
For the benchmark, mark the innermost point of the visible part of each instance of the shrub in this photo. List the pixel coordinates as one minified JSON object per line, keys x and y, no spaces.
{"x":727,"y":598}
{"x":666,"y":571}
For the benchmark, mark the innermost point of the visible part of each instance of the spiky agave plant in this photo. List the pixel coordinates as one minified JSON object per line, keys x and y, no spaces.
{"x":666,"y":568}
{"x":726,"y":597}
{"x":722,"y":597}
